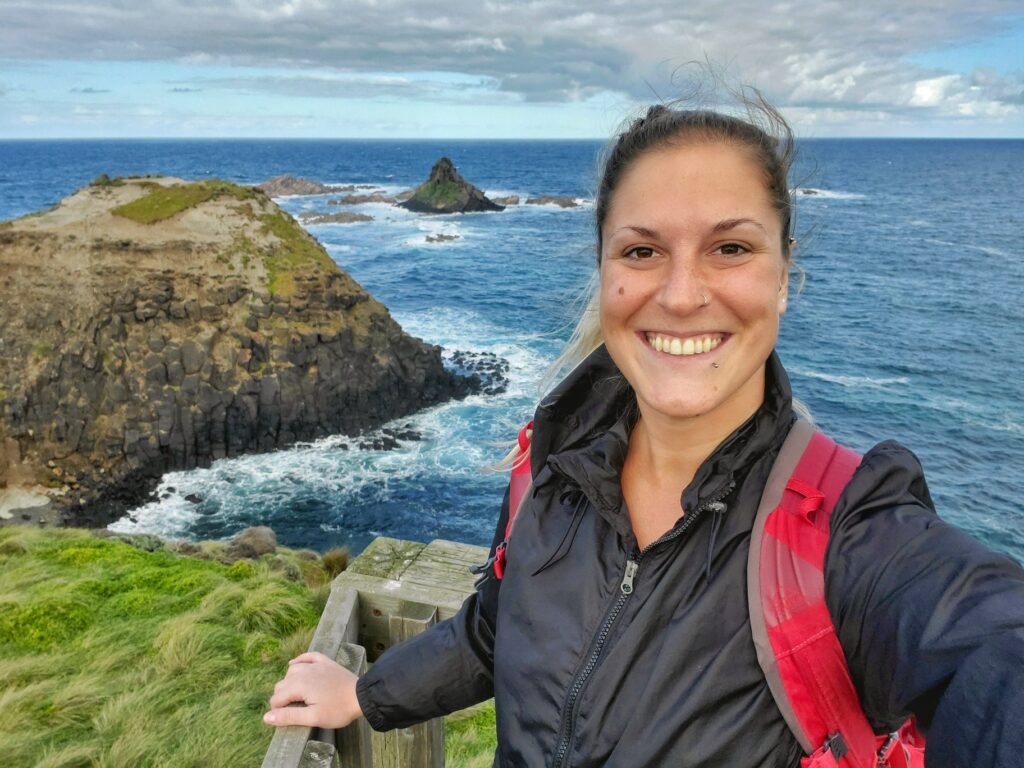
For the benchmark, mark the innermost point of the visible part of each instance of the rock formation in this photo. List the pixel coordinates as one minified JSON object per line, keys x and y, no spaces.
{"x":149,"y":325}
{"x":447,"y":192}
{"x":562,"y":201}
{"x":290,"y":185}
{"x":344,"y":217}
{"x":373,"y":197}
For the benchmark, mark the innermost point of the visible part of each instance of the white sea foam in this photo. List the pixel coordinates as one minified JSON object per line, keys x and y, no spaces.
{"x":811,"y":193}
{"x":853,"y":382}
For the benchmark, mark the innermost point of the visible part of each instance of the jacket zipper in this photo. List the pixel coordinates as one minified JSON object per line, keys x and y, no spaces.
{"x":597,"y":646}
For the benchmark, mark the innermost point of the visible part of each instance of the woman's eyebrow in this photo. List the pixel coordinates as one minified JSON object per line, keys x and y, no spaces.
{"x":726,"y":224}
{"x":642,"y":231}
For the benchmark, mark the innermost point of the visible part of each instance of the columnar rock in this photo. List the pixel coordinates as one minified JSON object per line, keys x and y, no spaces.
{"x":148,"y":325}
{"x":447,"y":192}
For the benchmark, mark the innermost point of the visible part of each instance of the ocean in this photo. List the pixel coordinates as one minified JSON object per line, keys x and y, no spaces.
{"x":908,"y":325}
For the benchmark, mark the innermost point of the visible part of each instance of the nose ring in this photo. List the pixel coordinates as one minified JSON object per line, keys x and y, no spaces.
{"x":705,"y":297}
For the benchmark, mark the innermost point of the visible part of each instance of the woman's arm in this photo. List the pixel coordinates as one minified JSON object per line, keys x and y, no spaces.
{"x":447,"y":668}
{"x":931,"y":621}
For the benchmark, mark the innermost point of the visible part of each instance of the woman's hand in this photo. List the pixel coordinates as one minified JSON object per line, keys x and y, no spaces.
{"x":327,"y":689}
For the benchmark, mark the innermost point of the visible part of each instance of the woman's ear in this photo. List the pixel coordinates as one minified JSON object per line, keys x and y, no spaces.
{"x":783,"y":291}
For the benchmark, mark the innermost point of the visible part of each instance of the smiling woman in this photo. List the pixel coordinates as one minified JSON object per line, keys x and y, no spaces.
{"x":696,"y":577}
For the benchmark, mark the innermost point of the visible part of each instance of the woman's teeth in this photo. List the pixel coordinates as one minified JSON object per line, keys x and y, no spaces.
{"x":692,"y":345}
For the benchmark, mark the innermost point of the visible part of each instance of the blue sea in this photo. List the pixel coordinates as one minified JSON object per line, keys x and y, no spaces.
{"x":909,"y":325}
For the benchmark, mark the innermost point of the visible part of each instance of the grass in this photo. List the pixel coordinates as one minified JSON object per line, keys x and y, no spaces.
{"x":164,"y":202}
{"x":114,"y":655}
{"x":296,"y":250}
{"x":438,"y":194}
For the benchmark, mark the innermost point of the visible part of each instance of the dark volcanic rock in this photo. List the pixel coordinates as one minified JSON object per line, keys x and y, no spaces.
{"x":489,"y":369}
{"x":447,"y":192}
{"x":510,"y":200}
{"x":333,"y":218}
{"x":441,"y":238}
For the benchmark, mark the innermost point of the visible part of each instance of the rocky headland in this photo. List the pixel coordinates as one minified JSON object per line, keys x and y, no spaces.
{"x":150,"y":324}
{"x":445,"y":191}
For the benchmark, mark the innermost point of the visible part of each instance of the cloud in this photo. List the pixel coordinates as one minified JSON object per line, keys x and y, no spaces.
{"x":803,"y":53}
{"x":89,"y":90}
{"x":183,"y":89}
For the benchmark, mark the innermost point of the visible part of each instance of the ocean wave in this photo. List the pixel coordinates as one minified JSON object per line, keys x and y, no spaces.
{"x":811,"y":193}
{"x":853,"y":382}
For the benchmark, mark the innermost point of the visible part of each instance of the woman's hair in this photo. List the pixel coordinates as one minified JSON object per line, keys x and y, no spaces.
{"x":757,"y":128}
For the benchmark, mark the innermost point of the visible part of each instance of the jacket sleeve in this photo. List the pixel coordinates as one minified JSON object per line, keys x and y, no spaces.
{"x":447,"y":668}
{"x":931,"y":621}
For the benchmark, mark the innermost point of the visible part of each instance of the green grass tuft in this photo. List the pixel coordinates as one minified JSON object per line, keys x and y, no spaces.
{"x":164,"y":202}
{"x":296,"y":250}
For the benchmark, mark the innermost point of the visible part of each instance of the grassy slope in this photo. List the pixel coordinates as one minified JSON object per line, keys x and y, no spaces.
{"x":164,"y":202}
{"x":111,"y":655}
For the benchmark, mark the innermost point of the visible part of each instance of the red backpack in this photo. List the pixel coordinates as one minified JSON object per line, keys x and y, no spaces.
{"x":796,"y":642}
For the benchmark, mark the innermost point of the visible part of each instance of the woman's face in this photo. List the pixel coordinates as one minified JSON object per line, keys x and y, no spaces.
{"x":684,"y":224}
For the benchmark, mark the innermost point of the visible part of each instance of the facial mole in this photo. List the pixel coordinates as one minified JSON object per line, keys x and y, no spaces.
{"x":621,"y":290}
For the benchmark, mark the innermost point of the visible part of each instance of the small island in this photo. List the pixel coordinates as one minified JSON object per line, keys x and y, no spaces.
{"x":447,"y":192}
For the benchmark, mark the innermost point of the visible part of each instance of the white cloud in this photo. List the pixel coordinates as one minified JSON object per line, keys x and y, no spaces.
{"x":930,"y":93}
{"x":802,"y":53}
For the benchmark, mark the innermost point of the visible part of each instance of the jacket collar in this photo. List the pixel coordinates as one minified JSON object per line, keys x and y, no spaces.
{"x":581,"y":433}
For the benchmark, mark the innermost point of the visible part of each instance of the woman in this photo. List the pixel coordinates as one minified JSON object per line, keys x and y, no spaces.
{"x":620,"y":633}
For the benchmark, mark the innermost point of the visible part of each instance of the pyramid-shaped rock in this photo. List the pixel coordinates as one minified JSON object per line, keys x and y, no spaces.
{"x":447,"y":192}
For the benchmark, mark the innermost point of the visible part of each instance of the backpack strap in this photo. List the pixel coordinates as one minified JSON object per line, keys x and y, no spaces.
{"x":518,"y":484}
{"x":796,"y":642}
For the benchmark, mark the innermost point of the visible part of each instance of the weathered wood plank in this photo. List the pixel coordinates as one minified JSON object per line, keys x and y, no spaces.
{"x":339,"y":622}
{"x":286,"y":747}
{"x":318,"y":754}
{"x":381,"y":598}
{"x":386,"y":558}
{"x":355,"y":746}
{"x":421,"y":746}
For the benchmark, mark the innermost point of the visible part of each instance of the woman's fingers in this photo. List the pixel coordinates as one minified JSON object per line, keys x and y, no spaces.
{"x":327,"y":689}
{"x":291,"y":716}
{"x":308,"y":658}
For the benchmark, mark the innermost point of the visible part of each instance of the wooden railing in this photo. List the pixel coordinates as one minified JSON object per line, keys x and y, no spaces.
{"x":392,"y":591}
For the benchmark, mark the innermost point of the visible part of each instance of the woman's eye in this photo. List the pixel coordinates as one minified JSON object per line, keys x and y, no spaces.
{"x":732,"y":249}
{"x":640,"y":252}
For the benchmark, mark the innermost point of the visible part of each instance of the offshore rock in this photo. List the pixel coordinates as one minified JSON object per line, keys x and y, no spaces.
{"x":344,"y":217}
{"x":149,"y":325}
{"x":562,"y":201}
{"x":280,"y":186}
{"x":447,"y":192}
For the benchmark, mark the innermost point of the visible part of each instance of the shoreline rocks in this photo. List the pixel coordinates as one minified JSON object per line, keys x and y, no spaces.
{"x":279,"y":186}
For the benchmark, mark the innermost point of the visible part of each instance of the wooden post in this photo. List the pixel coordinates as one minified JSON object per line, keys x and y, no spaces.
{"x":297,"y":745}
{"x":421,"y":746}
{"x":355,"y":747}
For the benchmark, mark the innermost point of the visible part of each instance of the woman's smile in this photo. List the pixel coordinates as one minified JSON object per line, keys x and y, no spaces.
{"x":686,"y":345}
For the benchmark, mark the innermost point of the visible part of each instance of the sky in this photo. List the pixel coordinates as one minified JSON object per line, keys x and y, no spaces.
{"x":487,"y":69}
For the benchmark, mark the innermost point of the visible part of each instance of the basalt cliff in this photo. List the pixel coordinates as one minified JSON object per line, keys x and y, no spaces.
{"x":151,"y":324}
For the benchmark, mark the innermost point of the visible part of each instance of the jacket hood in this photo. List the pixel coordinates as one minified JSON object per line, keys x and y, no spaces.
{"x":582,"y":433}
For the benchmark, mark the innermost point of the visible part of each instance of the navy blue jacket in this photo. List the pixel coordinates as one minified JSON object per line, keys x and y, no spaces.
{"x":584,"y":675}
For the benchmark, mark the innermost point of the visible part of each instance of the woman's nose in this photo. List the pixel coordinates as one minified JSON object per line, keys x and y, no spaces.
{"x":682,"y":290}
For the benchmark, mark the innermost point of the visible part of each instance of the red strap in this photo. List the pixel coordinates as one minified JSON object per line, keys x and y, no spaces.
{"x":813,"y":686}
{"x":518,"y":484}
